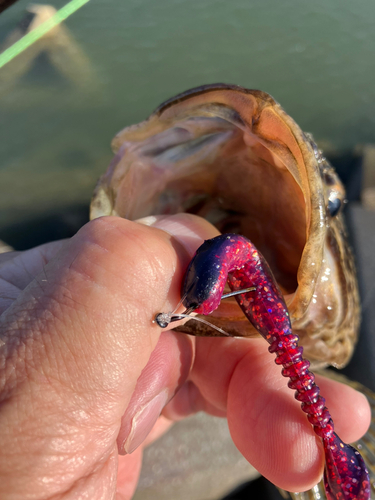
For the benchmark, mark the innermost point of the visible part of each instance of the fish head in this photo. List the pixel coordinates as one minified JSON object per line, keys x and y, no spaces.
{"x":236,"y":158}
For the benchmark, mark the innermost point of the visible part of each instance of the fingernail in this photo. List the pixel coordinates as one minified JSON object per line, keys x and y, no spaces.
{"x":144,"y":420}
{"x":148,"y":221}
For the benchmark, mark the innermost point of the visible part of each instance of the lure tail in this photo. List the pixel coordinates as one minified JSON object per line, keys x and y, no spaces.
{"x":345,"y":472}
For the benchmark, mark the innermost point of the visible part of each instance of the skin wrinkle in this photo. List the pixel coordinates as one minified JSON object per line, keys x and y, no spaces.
{"x":98,"y":469}
{"x":265,"y":410}
{"x":60,"y":315}
{"x":42,"y":253}
{"x":9,"y":371}
{"x":71,"y":362}
{"x":187,"y":401}
{"x":73,"y":460}
{"x":230,"y":376}
{"x":272,"y":378}
{"x":16,"y":263}
{"x":5,"y":282}
{"x":5,"y":257}
{"x":27,"y":271}
{"x":34,"y":405}
{"x":223,"y":404}
{"x":83,"y":480}
{"x":23,"y":320}
{"x":155,"y":268}
{"x":57,"y":301}
{"x":295,"y":421}
{"x":139,"y":242}
{"x":60,"y":381}
{"x":30,"y":363}
{"x":60,"y":387}
{"x":85,"y":276}
{"x":153,"y":261}
{"x":198,"y":403}
{"x":165,"y":372}
{"x":6,"y":301}
{"x":243,"y":359}
{"x":9,"y":278}
{"x":155,"y":280}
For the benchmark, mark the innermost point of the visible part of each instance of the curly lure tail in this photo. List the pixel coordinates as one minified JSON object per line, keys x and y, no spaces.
{"x":234,"y":258}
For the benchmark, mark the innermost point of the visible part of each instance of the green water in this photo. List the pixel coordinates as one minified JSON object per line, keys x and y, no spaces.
{"x":316,"y":58}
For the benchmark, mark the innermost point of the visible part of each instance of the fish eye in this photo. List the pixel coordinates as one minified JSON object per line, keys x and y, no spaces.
{"x":334,"y":206}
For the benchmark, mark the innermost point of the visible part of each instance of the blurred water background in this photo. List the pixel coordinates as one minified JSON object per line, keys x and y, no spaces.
{"x":59,"y":112}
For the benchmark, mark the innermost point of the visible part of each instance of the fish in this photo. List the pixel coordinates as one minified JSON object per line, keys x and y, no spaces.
{"x":233,"y":156}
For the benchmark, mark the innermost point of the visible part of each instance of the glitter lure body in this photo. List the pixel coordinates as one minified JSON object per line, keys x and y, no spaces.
{"x":234,"y":259}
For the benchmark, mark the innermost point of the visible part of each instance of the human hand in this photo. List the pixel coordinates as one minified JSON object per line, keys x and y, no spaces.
{"x":84,"y":373}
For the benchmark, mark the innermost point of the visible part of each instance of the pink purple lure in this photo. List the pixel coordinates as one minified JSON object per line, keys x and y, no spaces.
{"x":235,"y":259}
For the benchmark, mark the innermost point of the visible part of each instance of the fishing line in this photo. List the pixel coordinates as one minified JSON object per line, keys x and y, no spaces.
{"x":176,"y":317}
{"x":34,"y":35}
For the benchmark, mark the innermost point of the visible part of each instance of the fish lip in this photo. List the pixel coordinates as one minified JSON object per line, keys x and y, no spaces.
{"x":202,"y":89}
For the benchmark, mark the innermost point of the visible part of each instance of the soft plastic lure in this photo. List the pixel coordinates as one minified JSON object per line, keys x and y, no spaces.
{"x":233,"y":258}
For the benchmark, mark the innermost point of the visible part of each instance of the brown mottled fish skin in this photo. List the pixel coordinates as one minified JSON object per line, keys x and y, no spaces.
{"x":235,"y":157}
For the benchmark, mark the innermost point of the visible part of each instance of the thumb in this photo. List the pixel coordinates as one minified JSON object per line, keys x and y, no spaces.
{"x":76,"y":341}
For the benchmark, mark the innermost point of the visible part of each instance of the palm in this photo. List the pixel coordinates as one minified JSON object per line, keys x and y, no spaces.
{"x":18,"y":269}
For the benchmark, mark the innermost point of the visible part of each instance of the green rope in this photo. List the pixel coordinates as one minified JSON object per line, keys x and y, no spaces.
{"x":34,"y":35}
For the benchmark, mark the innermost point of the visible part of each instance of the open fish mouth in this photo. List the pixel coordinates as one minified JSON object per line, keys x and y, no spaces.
{"x":234,"y":157}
